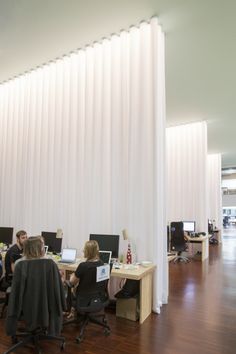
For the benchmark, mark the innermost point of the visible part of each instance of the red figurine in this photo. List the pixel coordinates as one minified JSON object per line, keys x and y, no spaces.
{"x":129,"y":255}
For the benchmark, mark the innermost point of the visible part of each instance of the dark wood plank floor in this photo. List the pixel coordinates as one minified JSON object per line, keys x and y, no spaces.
{"x":200,"y":316}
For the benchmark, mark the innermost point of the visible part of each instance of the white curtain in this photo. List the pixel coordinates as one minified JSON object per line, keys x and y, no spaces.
{"x":214,"y":189}
{"x":187,"y":174}
{"x":82,"y":146}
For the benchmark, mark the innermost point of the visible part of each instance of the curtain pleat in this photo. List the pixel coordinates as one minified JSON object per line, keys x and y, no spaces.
{"x":214,"y":190}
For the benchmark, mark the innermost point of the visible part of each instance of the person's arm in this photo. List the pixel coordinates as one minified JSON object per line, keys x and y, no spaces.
{"x":74,"y":280}
{"x":75,"y":277}
{"x":12,"y":266}
{"x":185,"y":235}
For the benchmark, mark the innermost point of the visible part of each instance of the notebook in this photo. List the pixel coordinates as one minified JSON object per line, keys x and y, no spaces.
{"x":105,"y":256}
{"x":68,"y":255}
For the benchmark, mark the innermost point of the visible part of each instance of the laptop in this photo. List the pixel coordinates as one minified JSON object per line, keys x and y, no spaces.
{"x":68,"y":255}
{"x":105,"y":256}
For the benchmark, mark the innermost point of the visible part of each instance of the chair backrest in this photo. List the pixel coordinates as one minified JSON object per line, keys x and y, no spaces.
{"x":96,"y":286}
{"x":37,"y":292}
{"x":178,"y":242}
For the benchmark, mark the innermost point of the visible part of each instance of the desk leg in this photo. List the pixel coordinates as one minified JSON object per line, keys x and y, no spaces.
{"x":146,"y":290}
{"x":205,"y":249}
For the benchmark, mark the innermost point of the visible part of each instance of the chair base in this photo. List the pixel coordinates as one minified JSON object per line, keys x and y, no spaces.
{"x":84,"y":319}
{"x":213,"y":241}
{"x":33,"y":338}
{"x":93,"y":319}
{"x":180,"y":258}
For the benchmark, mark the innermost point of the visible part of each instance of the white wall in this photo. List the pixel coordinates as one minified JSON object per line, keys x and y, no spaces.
{"x":187,"y":174}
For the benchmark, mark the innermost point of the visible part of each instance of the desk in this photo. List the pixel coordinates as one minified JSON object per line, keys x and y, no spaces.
{"x":203,"y":240}
{"x":143,"y":274}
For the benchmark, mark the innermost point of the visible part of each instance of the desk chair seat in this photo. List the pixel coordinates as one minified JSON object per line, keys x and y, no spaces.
{"x":94,"y":310}
{"x":94,"y":313}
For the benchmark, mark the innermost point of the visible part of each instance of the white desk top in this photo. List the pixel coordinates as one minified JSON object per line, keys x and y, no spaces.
{"x":136,"y":272}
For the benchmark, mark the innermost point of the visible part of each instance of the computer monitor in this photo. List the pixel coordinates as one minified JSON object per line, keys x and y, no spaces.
{"x":6,"y":235}
{"x":189,"y":226}
{"x":107,"y":243}
{"x":53,"y":243}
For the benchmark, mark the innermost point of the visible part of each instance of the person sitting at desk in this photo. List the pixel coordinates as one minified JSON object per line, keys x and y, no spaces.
{"x":13,"y":254}
{"x":83,"y":277}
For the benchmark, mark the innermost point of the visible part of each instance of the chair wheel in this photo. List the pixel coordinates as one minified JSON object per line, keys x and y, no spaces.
{"x":79,"y":339}
{"x":63,"y":345}
{"x":107,"y":331}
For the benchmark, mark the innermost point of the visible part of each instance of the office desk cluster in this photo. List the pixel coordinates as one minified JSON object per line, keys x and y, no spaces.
{"x":143,"y":274}
{"x":204,"y":242}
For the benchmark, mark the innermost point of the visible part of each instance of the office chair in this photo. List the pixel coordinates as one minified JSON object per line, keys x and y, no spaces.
{"x":5,"y":289}
{"x":178,"y":242}
{"x":5,"y":286}
{"x":37,"y":299}
{"x":91,"y":306}
{"x":213,"y":233}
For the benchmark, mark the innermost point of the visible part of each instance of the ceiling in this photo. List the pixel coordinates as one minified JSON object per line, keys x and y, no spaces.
{"x":200,"y":50}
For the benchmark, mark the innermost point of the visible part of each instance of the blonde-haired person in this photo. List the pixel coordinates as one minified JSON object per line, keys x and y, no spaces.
{"x":33,"y":248}
{"x":85,"y":275}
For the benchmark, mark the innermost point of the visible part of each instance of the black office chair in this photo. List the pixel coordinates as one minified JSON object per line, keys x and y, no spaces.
{"x":37,"y":299}
{"x":213,"y":240}
{"x":5,"y":286}
{"x":178,"y":241}
{"x":90,"y":307}
{"x":5,"y":289}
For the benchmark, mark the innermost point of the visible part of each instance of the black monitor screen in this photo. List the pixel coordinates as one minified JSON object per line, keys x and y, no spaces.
{"x":189,"y":226}
{"x":6,"y":235}
{"x":53,"y":243}
{"x":107,"y":243}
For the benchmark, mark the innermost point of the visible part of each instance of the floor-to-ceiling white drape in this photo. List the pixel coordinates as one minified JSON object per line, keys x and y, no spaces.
{"x":187,"y":174}
{"x":214,"y":189}
{"x":82,"y":145}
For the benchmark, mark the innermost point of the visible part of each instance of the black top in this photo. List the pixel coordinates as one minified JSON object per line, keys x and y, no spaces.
{"x":88,"y":288}
{"x":11,"y":256}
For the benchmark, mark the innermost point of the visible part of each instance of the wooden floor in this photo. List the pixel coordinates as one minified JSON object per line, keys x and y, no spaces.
{"x":200,"y":316}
